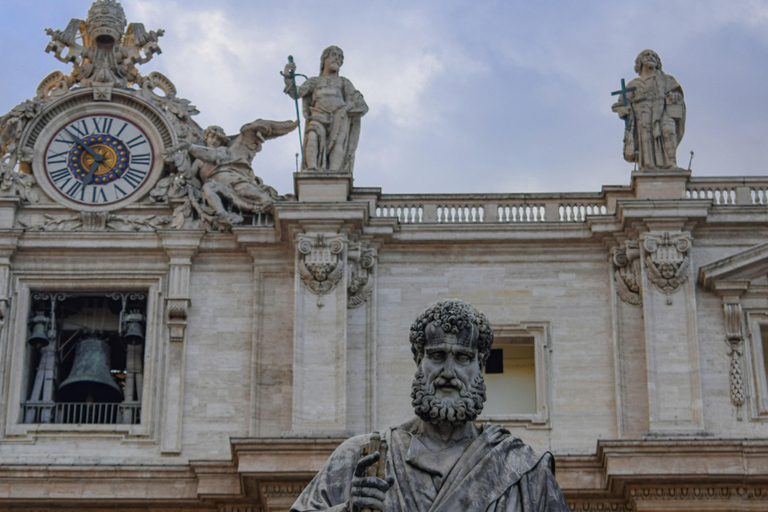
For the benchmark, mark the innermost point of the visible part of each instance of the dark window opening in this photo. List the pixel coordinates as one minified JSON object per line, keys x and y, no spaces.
{"x":85,"y":358}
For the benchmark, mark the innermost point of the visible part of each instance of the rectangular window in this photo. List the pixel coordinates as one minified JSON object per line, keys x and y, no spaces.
{"x":85,"y":358}
{"x":510,"y":379}
{"x":517,"y":375}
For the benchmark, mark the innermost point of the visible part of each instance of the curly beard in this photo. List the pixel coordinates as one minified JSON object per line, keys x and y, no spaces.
{"x":437,"y":411}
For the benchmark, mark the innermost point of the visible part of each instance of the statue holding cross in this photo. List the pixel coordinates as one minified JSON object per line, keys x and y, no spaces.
{"x":653,"y":111}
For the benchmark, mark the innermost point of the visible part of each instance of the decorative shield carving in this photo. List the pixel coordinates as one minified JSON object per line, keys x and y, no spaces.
{"x":320,"y":263}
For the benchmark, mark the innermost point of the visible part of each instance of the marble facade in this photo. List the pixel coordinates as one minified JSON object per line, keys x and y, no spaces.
{"x":271,"y":338}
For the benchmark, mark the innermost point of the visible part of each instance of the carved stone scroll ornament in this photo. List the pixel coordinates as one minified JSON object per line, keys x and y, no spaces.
{"x":667,"y":261}
{"x":360,"y":281}
{"x":320,"y":263}
{"x":733,"y":336}
{"x":626,"y":262}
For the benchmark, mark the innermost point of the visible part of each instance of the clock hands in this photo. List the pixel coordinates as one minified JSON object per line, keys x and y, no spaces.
{"x":97,"y":159}
{"x":94,"y":154}
{"x":89,"y":177}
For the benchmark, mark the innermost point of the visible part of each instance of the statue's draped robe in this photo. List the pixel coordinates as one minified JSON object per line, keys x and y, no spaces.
{"x":496,"y":473}
{"x":652,"y":118}
{"x":328,"y":123}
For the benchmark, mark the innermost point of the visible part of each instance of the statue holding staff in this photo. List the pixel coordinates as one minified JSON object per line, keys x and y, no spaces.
{"x":332,"y":108}
{"x":653,"y":110}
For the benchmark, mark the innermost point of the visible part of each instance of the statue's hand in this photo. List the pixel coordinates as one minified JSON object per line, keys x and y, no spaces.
{"x":623,"y":111}
{"x":289,"y":70}
{"x":368,"y":491}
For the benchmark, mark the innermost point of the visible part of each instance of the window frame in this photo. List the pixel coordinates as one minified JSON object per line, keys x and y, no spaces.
{"x":538,"y":333}
{"x":758,"y":382}
{"x":17,"y":369}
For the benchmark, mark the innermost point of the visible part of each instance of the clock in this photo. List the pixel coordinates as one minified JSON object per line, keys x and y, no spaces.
{"x":98,"y":159}
{"x":98,"y":156}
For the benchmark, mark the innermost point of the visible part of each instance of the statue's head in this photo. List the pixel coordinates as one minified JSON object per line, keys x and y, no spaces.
{"x":649,"y":59}
{"x":451,"y":342}
{"x":215,"y":136}
{"x":105,"y":23}
{"x":334,"y":56}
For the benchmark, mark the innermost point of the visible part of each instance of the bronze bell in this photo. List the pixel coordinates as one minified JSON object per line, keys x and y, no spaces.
{"x":90,"y":379}
{"x":133,"y":334}
{"x":39,"y":336}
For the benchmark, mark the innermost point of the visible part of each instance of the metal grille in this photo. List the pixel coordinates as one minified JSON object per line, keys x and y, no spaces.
{"x":82,"y":413}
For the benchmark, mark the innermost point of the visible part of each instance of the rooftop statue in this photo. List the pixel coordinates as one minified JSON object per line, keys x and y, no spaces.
{"x":440,"y":460}
{"x":653,"y":110}
{"x":221,"y":169}
{"x":332,"y":109}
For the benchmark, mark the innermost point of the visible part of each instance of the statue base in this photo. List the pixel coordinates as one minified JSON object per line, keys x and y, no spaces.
{"x":660,"y":183}
{"x":322,"y":187}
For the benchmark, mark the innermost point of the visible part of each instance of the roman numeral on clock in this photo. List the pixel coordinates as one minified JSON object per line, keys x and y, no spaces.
{"x":136,"y":141}
{"x":80,"y":127}
{"x":102,"y":124}
{"x":60,"y":175}
{"x":134,"y":177}
{"x":142,"y":159}
{"x":98,"y":195}
{"x":57,"y":158}
{"x":74,"y":189}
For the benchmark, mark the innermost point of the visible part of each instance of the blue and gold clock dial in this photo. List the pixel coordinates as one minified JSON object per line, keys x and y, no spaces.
{"x":98,"y":159}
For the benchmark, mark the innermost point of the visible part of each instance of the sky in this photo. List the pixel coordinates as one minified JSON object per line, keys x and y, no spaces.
{"x":464,"y":97}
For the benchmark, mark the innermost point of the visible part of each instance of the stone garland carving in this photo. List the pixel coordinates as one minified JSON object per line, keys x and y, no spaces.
{"x":667,"y":261}
{"x":12,"y":125}
{"x":96,"y":221}
{"x":626,"y":262}
{"x":321,"y":263}
{"x":733,"y":336}
{"x":176,"y":311}
{"x":362,"y":261}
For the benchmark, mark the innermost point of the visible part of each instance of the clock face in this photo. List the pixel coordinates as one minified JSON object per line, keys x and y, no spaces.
{"x":98,"y":160}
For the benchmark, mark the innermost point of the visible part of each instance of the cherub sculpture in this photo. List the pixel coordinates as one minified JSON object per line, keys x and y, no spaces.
{"x":221,"y":171}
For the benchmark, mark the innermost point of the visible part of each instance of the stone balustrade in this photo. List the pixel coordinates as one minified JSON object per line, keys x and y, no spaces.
{"x":543,"y":207}
{"x":729,"y":191}
{"x":490,"y":208}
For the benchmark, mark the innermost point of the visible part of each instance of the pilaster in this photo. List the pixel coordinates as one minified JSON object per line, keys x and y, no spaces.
{"x":669,"y":311}
{"x":320,"y":332}
{"x":181,"y":247}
